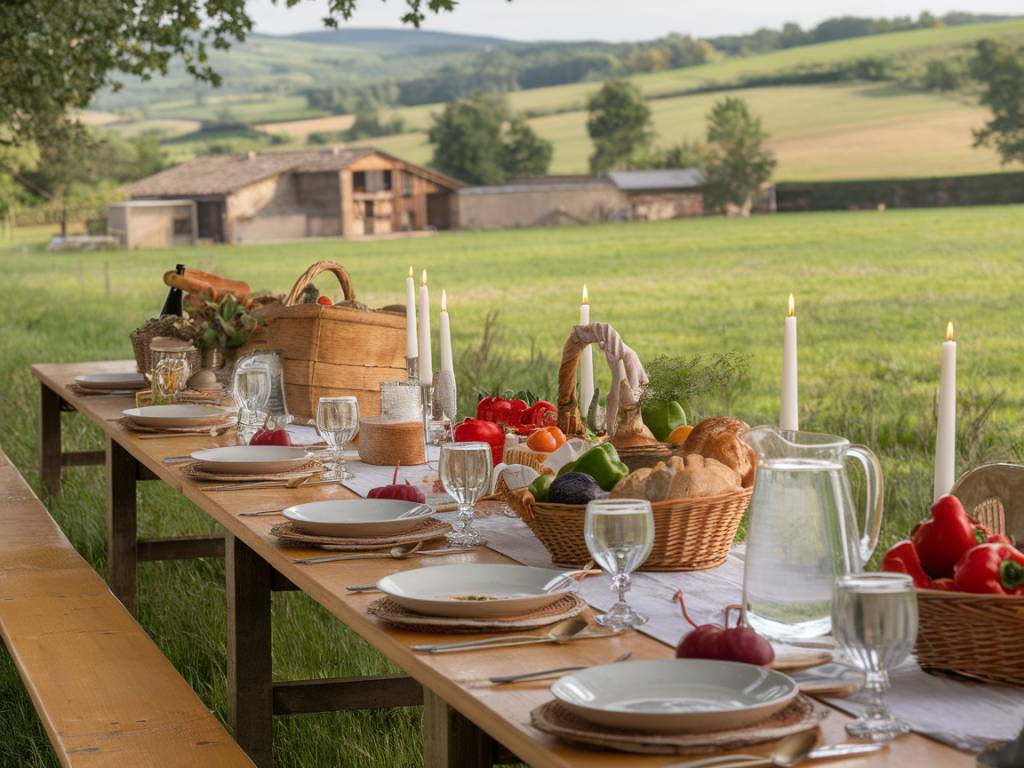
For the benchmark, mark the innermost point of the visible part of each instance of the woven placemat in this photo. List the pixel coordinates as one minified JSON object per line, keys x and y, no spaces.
{"x":429,"y":529}
{"x":192,"y":472}
{"x":213,"y":429}
{"x":391,"y":612}
{"x":801,"y":715}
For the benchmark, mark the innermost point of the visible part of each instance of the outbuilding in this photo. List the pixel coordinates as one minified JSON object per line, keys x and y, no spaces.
{"x":152,"y":223}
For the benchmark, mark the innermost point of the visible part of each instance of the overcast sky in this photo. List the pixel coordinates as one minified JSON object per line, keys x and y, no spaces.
{"x":611,"y":19}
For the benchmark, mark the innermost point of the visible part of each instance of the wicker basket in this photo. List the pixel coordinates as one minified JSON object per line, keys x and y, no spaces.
{"x":161,"y":326}
{"x":332,"y":350}
{"x":520,"y":454}
{"x":977,"y":636}
{"x":690,"y":534}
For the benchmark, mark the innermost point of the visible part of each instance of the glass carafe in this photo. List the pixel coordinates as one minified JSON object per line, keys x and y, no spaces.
{"x":803,"y":529}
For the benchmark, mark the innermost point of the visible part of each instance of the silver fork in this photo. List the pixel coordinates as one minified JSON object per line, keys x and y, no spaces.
{"x":503,"y":679}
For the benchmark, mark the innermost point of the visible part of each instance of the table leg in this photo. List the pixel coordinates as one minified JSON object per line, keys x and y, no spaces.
{"x":49,"y":439}
{"x":122,"y":555}
{"x":451,"y":740}
{"x":250,"y":689}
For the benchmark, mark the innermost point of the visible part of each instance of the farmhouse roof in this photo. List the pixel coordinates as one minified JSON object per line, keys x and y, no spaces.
{"x":660,"y":179}
{"x":540,"y":184}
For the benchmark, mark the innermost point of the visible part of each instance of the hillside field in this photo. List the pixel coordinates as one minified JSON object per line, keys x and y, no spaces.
{"x":874,"y":292}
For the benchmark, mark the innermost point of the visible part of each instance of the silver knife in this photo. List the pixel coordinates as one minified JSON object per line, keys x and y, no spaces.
{"x":742,"y":761}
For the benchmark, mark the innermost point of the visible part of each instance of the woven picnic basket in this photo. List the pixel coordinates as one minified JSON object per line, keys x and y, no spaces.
{"x":332,"y":350}
{"x":690,"y":534}
{"x":973,"y":635}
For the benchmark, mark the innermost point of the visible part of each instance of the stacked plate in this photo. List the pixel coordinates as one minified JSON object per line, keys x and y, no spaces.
{"x":249,"y":459}
{"x":356,"y":518}
{"x":102,"y":383}
{"x":176,"y":416}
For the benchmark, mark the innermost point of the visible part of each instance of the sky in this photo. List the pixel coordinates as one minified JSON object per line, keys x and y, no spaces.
{"x":612,"y":20}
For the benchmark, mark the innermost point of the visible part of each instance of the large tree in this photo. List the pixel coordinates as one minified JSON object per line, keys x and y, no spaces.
{"x":1000,"y":68}
{"x":738,"y":160}
{"x":56,"y":54}
{"x":619,"y":125}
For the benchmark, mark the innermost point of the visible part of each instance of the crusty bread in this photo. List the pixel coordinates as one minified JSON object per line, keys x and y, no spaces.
{"x":720,"y":438}
{"x":633,"y":485}
{"x":680,"y":477}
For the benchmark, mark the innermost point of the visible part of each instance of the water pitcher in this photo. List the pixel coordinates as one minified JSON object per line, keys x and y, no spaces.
{"x":803,"y":529}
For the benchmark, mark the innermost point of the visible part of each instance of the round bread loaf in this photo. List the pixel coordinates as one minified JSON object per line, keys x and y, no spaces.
{"x":720,"y":438}
{"x":680,"y":477}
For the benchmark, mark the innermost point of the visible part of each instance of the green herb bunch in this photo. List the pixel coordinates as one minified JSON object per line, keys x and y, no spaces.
{"x":699,"y":382}
{"x":225,"y":323}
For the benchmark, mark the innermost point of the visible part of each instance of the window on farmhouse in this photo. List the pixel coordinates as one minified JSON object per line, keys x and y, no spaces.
{"x":406,"y":184}
{"x":371,"y":181}
{"x":182,"y":227}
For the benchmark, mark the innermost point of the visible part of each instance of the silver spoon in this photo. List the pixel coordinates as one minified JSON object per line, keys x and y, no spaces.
{"x":790,"y":751}
{"x":398,"y":553}
{"x":503,"y":679}
{"x":562,"y":633}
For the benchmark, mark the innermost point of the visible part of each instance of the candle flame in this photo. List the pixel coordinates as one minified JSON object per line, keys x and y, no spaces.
{"x":949,"y":331}
{"x":792,"y":306}
{"x":410,"y":271}
{"x":586,"y":297}
{"x":424,"y":277}
{"x":444,"y":301}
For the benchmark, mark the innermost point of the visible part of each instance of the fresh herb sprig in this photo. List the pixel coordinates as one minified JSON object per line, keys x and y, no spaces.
{"x":696,"y":381}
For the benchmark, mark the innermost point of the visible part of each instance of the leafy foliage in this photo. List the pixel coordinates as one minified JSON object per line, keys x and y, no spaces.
{"x":619,"y":124}
{"x":738,"y":161}
{"x":224,"y":323}
{"x":697,"y":382}
{"x":1000,"y":68}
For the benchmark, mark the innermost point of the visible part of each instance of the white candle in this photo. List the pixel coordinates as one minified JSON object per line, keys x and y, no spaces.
{"x":945,"y":433}
{"x":411,"y":347}
{"x":789,"y":411}
{"x":586,"y":360}
{"x":426,"y":356}
{"x":446,"y":336}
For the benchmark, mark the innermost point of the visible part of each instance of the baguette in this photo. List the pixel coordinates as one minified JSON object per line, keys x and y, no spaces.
{"x":194,"y":281}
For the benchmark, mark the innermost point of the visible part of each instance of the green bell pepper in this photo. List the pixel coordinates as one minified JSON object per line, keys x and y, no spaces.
{"x":602,"y":463}
{"x":662,"y":418}
{"x":541,"y":487}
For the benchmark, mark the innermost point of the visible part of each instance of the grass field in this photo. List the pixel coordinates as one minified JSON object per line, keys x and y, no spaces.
{"x":874,"y":292}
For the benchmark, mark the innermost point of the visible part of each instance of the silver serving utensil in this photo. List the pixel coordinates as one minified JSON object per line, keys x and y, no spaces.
{"x":750,"y":761}
{"x":503,"y":679}
{"x":566,"y":579}
{"x":420,"y":510}
{"x":563,"y":632}
{"x":295,"y":482}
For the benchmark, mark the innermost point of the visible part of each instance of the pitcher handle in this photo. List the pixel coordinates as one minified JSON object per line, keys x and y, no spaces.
{"x":875,"y":496}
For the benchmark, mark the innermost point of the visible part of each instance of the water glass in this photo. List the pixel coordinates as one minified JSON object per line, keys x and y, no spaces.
{"x":465,"y":470}
{"x":619,"y":534}
{"x":874,"y":620}
{"x":337,"y":421}
{"x":251,"y":388}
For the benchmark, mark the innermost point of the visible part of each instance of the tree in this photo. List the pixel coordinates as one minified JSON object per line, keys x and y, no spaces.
{"x":738,"y":161}
{"x":686,"y":154}
{"x":1000,"y":68}
{"x":619,"y":125}
{"x":476,"y":140}
{"x":58,"y":53}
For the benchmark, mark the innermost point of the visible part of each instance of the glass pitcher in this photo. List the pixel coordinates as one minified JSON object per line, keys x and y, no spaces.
{"x":803,"y":529}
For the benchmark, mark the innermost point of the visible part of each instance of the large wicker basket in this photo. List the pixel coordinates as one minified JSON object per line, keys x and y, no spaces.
{"x":333,"y":350}
{"x":977,"y":636}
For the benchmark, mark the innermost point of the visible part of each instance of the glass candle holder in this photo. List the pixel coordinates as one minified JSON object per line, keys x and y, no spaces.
{"x":400,"y":401}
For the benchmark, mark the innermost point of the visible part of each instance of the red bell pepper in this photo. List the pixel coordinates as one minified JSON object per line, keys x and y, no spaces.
{"x":991,"y":569}
{"x":943,"y":584}
{"x":903,"y":558}
{"x":477,"y":430}
{"x":540,"y":414}
{"x":943,"y":538}
{"x":485,"y":408}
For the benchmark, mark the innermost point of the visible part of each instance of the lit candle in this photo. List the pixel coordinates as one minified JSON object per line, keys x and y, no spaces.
{"x":446,"y":336}
{"x":411,"y":347}
{"x":426,"y":357}
{"x":789,"y":411}
{"x":945,"y":433}
{"x":586,"y":360}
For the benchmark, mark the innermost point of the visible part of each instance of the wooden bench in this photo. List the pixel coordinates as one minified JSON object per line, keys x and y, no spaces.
{"x":105,"y":693}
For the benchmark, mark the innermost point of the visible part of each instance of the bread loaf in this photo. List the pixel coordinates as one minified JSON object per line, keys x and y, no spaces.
{"x":680,"y":477}
{"x":720,"y":438}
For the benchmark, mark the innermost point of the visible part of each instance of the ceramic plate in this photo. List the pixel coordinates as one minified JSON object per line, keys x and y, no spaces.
{"x":353,"y":517}
{"x":176,"y":415}
{"x":114,"y":381}
{"x":471,"y":591}
{"x":251,"y":459}
{"x":675,"y":695}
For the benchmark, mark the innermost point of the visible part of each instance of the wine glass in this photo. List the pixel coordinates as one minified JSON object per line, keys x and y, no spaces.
{"x":252,"y":392}
{"x":619,"y":534}
{"x":337,"y":421}
{"x":465,"y":470}
{"x":874,"y":620}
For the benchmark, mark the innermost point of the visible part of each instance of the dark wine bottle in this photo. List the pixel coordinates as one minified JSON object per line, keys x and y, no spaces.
{"x":172,"y":304}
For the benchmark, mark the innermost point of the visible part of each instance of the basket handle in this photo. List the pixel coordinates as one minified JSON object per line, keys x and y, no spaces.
{"x":310,"y":274}
{"x":615,"y":349}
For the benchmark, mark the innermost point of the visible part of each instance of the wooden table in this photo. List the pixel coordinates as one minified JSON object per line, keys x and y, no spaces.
{"x":464,"y":716}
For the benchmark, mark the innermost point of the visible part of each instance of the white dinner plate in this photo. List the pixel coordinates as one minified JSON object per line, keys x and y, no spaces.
{"x":176,"y":415}
{"x":113,"y":381}
{"x":251,"y":459}
{"x":675,"y":695}
{"x":354,"y":517}
{"x":447,"y":590}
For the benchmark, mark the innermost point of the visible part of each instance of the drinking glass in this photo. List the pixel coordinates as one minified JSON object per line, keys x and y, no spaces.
{"x":874,"y":619}
{"x":337,"y":421}
{"x":619,"y":534}
{"x":465,"y":470}
{"x":252,"y":392}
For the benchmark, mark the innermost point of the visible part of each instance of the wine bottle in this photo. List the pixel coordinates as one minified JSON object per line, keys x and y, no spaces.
{"x":172,"y":304}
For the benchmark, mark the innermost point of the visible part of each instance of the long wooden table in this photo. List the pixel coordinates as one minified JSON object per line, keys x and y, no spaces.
{"x":466,"y":719}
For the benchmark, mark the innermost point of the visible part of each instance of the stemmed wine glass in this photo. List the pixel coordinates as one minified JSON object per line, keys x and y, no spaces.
{"x":874,"y":620}
{"x":337,"y":421}
{"x":465,"y":470}
{"x":619,"y":534}
{"x":252,"y":392}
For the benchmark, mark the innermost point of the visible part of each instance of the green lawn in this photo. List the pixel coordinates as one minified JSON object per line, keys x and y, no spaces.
{"x":874,"y":292}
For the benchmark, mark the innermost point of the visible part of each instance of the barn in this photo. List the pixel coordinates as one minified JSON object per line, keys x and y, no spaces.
{"x":258,"y":197}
